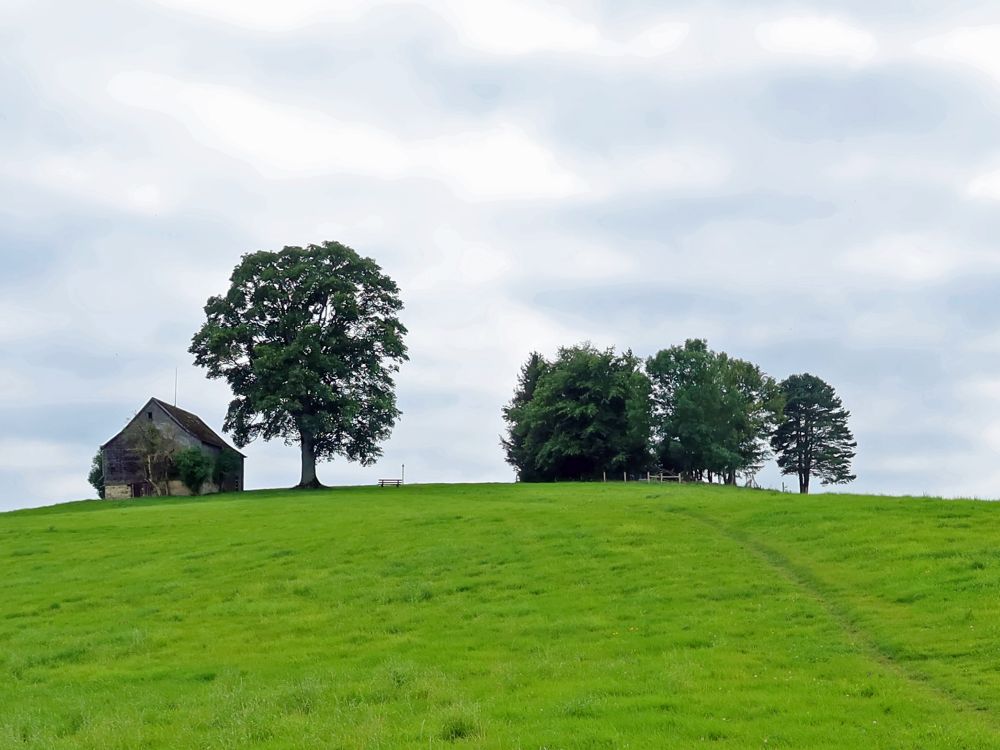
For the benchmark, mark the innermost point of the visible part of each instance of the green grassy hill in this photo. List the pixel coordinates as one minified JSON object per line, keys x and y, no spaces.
{"x":498,"y":616}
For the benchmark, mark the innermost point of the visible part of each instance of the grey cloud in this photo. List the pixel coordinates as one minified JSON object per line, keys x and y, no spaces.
{"x":975,"y":304}
{"x":79,"y":423}
{"x":814,"y":107}
{"x":756,"y":260}
{"x":667,"y":216}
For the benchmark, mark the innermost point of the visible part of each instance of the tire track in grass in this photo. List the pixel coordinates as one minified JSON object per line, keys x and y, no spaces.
{"x":866,"y":642}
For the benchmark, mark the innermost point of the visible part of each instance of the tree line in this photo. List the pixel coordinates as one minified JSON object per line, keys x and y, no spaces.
{"x":309,"y":341}
{"x":687,"y":410}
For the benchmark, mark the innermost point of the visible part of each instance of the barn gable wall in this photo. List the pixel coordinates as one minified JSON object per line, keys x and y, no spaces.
{"x":120,"y":463}
{"x":121,"y":466}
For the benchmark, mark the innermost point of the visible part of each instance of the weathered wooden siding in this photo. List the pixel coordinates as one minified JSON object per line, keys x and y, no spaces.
{"x":121,"y":465}
{"x":122,"y":468}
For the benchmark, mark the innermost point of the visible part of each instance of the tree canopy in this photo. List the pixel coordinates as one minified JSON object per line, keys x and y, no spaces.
{"x":309,"y":340}
{"x":712,"y":414}
{"x":581,"y":415}
{"x":702,"y":414}
{"x":96,"y":475}
{"x":813,"y":439}
{"x":193,"y":467}
{"x":519,"y":423}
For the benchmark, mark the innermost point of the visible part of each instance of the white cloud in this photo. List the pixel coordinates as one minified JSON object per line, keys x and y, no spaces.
{"x":500,"y":162}
{"x":508,"y":28}
{"x":16,"y":388}
{"x":455,"y":261}
{"x":22,"y":318}
{"x":69,"y":485}
{"x":282,"y":141}
{"x":516,"y":27}
{"x":94,"y":176}
{"x":659,"y":39}
{"x":18,"y":454}
{"x":817,"y":36}
{"x":267,"y":15}
{"x":977,"y":389}
{"x":670,"y":168}
{"x":914,"y":259}
{"x":893,"y":325}
{"x":985,"y":186}
{"x":976,"y":46}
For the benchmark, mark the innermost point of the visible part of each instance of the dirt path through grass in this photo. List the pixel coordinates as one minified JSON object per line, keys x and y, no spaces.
{"x":841,"y":611}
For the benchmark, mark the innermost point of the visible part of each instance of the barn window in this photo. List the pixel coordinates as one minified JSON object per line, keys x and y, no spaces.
{"x":149,"y":414}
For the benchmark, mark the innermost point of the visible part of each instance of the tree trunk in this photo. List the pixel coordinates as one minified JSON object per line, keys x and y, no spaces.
{"x":804,"y":484}
{"x":308,"y":479}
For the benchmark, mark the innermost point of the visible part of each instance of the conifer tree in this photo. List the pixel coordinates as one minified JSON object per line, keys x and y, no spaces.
{"x":813,"y":439}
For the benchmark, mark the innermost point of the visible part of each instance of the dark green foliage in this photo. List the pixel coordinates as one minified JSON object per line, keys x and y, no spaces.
{"x":309,"y":340}
{"x":515,"y":414}
{"x":582,"y":415}
{"x":194,"y":467}
{"x":226,"y":467}
{"x":813,"y":438}
{"x":711,"y":413}
{"x":96,"y":476}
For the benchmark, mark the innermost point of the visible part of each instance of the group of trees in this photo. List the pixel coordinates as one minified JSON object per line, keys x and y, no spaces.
{"x":687,"y":410}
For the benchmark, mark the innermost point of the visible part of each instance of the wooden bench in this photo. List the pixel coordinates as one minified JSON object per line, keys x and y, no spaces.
{"x":390,"y":483}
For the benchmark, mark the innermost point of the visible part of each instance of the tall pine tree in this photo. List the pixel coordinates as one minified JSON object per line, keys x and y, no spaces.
{"x":813,"y":439}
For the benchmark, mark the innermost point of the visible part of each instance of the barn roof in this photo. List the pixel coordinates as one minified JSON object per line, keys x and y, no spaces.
{"x":190,"y":423}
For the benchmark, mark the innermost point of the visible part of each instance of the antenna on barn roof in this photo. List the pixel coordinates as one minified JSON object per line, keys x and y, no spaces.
{"x":175,"y":386}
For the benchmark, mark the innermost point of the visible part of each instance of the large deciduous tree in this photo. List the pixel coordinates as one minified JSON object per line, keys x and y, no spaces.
{"x":583,"y":414}
{"x":309,"y":340}
{"x":813,"y":439}
{"x":711,"y":413}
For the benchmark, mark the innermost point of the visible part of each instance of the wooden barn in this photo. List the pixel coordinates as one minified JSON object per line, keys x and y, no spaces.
{"x":124,"y":475}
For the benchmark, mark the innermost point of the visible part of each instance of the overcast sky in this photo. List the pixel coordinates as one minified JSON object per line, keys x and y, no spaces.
{"x":812,"y":186}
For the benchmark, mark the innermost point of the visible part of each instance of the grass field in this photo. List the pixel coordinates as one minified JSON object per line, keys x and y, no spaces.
{"x":499,"y":616}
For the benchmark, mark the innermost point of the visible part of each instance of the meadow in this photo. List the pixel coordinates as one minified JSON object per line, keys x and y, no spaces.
{"x":502,"y":616}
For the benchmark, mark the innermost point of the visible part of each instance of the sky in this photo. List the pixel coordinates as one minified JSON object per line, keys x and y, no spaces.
{"x":810,"y":186}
